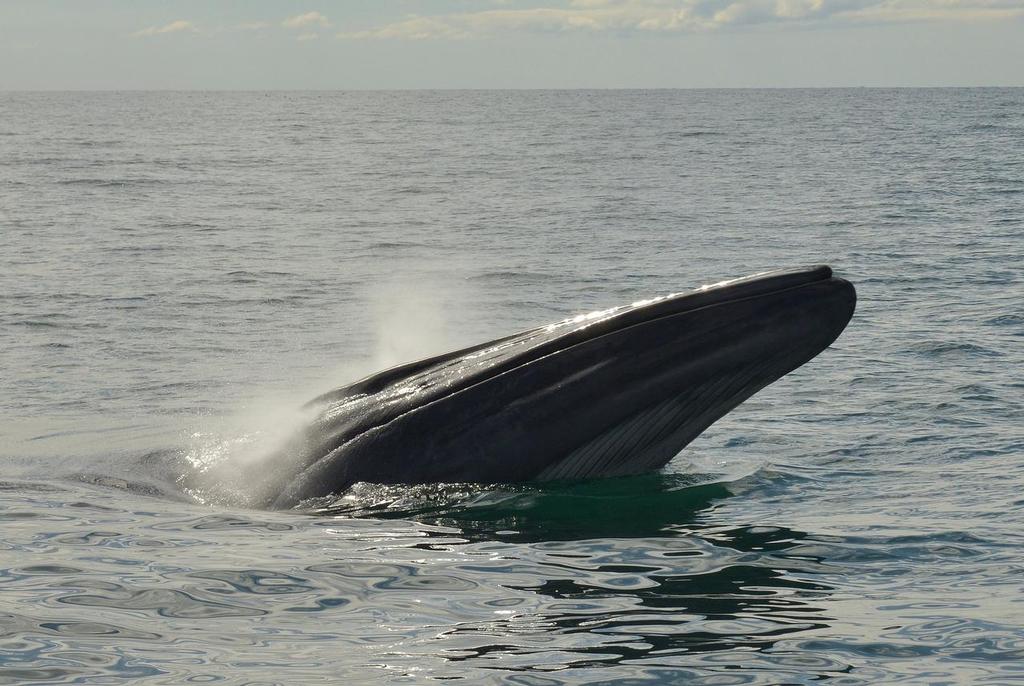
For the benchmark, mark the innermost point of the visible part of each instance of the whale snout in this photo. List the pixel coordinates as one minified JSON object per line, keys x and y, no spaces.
{"x":837,"y":305}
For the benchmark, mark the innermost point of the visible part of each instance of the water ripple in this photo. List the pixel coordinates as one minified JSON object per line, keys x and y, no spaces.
{"x":167,"y":273}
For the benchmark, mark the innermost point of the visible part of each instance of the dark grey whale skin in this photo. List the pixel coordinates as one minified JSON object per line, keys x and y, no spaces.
{"x":612,"y":393}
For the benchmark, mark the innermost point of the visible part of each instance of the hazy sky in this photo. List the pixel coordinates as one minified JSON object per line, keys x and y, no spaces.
{"x":264,"y":44}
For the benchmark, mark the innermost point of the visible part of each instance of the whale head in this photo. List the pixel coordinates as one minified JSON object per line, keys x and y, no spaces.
{"x":615,"y":392}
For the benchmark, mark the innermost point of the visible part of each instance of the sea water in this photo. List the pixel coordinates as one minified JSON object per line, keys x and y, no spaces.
{"x":179,"y":272}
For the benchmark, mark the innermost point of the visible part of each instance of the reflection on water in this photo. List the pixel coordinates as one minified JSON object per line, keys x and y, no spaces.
{"x":428,"y":582}
{"x":649,"y":579}
{"x":645,"y":578}
{"x":665,"y":589}
{"x":646,"y":505}
{"x":661,"y":614}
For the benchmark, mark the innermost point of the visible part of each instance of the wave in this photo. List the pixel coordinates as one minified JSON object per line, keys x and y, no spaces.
{"x":937,"y":349}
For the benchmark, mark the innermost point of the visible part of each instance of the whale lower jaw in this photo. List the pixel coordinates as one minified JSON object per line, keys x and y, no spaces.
{"x":651,"y":438}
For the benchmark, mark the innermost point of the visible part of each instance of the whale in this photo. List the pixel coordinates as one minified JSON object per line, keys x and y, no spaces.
{"x":616,"y":392}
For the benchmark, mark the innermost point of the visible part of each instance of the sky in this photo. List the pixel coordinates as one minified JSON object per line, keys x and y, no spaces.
{"x":397,"y":44}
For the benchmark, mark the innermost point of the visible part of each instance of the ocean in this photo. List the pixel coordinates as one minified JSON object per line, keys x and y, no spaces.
{"x":181,"y":271}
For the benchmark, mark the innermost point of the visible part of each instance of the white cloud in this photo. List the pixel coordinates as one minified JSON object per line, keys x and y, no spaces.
{"x":302,"y":38}
{"x":173,"y":27}
{"x":685,"y":15}
{"x":414,"y":28}
{"x":585,"y":15}
{"x":940,"y":10}
{"x":795,"y":9}
{"x":307,"y":20}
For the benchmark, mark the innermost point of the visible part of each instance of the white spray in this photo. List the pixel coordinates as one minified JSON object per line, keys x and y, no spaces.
{"x":228,"y":455}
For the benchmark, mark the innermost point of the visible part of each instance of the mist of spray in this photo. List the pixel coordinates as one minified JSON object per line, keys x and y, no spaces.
{"x":237,"y":459}
{"x":410,"y":321}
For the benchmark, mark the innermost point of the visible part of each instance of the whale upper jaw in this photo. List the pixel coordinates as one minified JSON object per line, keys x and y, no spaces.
{"x":619,"y":391}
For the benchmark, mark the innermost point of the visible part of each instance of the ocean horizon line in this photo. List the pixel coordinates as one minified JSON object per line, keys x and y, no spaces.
{"x":493,"y":90}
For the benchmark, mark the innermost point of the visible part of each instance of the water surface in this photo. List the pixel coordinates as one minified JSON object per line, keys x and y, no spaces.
{"x":180,"y":271}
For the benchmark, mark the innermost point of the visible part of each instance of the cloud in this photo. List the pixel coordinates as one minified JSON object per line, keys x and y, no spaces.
{"x":414,"y":28}
{"x":684,"y":16}
{"x":581,"y":15}
{"x":302,"y":38}
{"x":939,"y":10}
{"x":173,"y":27}
{"x":307,"y":20}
